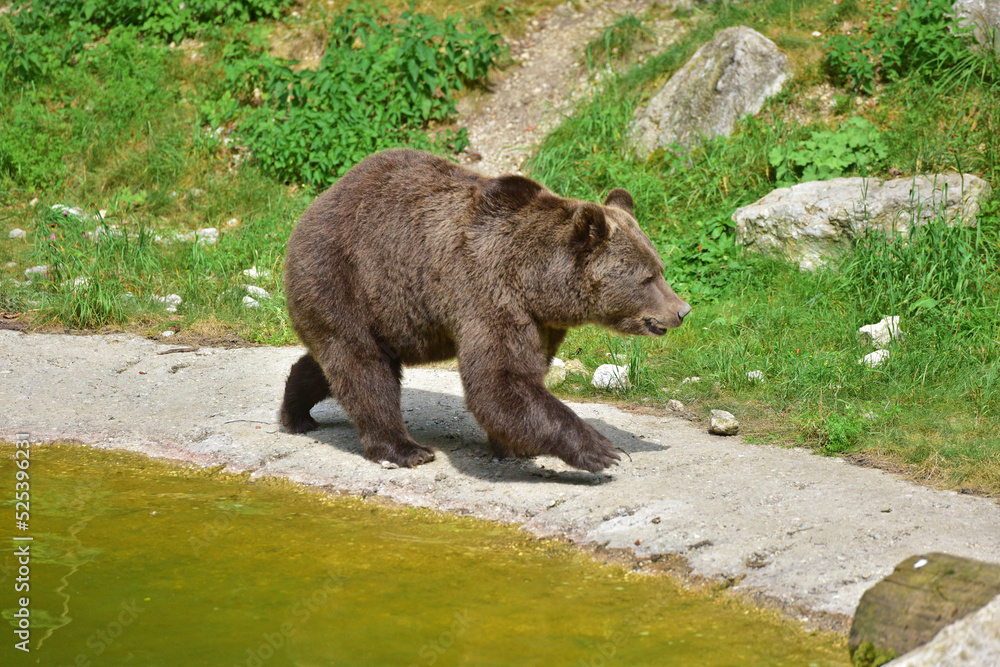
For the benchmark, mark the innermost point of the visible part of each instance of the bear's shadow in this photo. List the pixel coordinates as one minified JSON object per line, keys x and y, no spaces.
{"x":443,"y":422}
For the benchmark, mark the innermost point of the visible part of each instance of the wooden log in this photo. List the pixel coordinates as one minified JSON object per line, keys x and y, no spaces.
{"x":922,"y":595}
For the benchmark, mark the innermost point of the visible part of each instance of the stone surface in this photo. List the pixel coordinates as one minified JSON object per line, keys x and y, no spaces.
{"x":575,"y":367}
{"x":811,"y":222}
{"x":258,"y":293}
{"x":723,"y":423}
{"x":881,"y":334}
{"x":825,"y":524}
{"x":611,"y":376}
{"x":17,"y":233}
{"x":675,"y":405}
{"x":556,"y":374}
{"x":875,"y":359}
{"x":724,"y":80}
{"x":37,"y":271}
{"x":973,"y":641}
{"x":984,"y":17}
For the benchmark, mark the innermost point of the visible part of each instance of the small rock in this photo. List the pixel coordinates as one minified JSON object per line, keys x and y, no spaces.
{"x":10,"y":265}
{"x":33,"y":202}
{"x":170,"y":302}
{"x":39,"y":271}
{"x":257,"y":292}
{"x":18,"y":233}
{"x":81,"y":281}
{"x":880,"y":335}
{"x":232,"y":222}
{"x":723,"y":423}
{"x":755,"y":376}
{"x":254,"y":273}
{"x":166,"y":334}
{"x":67,"y":210}
{"x":693,"y":378}
{"x":389,"y":465}
{"x":575,"y":367}
{"x":250,"y":302}
{"x":875,"y":359}
{"x":208,"y":235}
{"x":675,"y":405}
{"x":556,"y":374}
{"x":610,"y":376}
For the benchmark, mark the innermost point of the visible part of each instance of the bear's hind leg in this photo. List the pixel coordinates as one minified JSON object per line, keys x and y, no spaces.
{"x":306,"y":386}
{"x":368,"y":388}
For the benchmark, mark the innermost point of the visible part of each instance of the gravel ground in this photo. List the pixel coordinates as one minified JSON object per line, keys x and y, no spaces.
{"x":530,"y":98}
{"x":808,"y":532}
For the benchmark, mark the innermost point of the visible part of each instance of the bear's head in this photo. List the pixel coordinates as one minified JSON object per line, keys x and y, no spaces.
{"x":629,"y":293}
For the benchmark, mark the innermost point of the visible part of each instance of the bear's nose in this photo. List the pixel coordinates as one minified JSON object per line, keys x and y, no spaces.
{"x":683,"y":312}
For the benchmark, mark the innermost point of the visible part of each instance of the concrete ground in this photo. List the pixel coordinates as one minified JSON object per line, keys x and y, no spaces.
{"x":809,"y":532}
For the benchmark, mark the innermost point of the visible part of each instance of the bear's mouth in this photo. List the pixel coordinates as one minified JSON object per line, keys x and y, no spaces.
{"x":653,"y":327}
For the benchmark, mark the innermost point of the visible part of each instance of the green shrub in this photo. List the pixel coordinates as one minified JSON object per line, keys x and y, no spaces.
{"x":380,"y":84}
{"x":922,"y":36}
{"x":856,"y":146}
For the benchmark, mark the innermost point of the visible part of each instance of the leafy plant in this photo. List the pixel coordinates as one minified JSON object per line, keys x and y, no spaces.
{"x":922,"y":36}
{"x":857,"y":145}
{"x":381,"y":83}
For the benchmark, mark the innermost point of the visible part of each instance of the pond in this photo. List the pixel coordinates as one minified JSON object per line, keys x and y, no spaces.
{"x":137,"y":562}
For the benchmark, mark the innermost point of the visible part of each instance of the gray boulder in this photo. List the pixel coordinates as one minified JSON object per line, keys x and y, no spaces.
{"x":726,"y":79}
{"x":984,"y":17}
{"x":973,"y":641}
{"x":811,"y":222}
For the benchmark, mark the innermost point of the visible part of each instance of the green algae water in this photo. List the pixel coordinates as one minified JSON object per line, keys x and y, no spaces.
{"x":136,"y":562}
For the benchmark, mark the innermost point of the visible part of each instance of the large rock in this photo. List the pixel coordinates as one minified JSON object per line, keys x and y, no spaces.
{"x":984,"y":16}
{"x":726,"y":79}
{"x":811,"y":222}
{"x":973,"y":641}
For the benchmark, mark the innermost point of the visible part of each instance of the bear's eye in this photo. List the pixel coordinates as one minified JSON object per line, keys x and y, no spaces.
{"x":649,"y":280}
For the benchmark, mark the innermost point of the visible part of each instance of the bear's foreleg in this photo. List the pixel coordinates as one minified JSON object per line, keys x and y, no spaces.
{"x":507,"y":395}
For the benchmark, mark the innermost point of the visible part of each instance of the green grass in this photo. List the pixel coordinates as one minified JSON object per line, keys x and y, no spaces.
{"x":121,"y":126}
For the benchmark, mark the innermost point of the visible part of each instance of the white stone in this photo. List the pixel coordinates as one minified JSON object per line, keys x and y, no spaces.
{"x":610,"y":376}
{"x":255,"y":273}
{"x":232,"y":222}
{"x":556,"y":374}
{"x":575,"y":367}
{"x":880,"y":335}
{"x":67,"y":210}
{"x":81,"y":281}
{"x":875,"y":359}
{"x":10,"y":265}
{"x":18,"y":233}
{"x":723,"y":423}
{"x":755,"y":376}
{"x":250,"y":302}
{"x":257,"y":292}
{"x":166,"y":334}
{"x":693,"y":378}
{"x":170,"y":301}
{"x":208,"y":235}
{"x":39,"y":271}
{"x":675,"y":405}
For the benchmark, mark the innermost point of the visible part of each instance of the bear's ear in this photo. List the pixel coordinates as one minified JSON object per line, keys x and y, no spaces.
{"x":621,"y":198}
{"x":590,"y":227}
{"x":509,"y":192}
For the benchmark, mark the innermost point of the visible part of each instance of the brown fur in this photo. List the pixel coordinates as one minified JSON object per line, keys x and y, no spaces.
{"x":410,"y":258}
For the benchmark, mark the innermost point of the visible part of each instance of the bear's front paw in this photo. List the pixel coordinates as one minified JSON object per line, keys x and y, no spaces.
{"x":405,"y":455}
{"x":595,"y":456}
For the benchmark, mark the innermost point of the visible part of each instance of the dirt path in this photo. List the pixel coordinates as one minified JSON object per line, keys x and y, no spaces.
{"x":809,"y":532}
{"x":530,"y":98}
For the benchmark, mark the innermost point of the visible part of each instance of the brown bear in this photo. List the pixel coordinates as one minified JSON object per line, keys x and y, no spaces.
{"x":410,"y":258}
